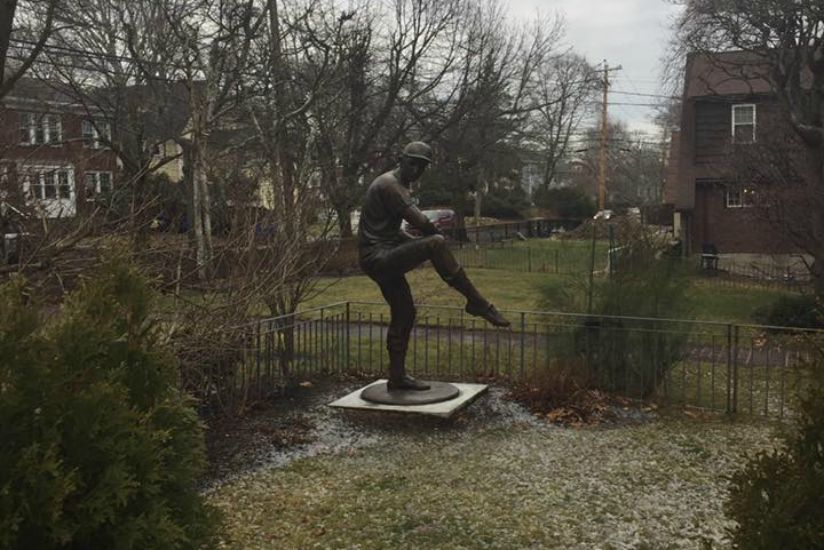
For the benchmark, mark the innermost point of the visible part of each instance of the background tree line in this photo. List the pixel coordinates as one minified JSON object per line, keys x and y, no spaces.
{"x":299,"y":104}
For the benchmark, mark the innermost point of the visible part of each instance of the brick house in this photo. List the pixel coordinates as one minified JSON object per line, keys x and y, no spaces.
{"x":726,"y":105}
{"x":52,"y":151}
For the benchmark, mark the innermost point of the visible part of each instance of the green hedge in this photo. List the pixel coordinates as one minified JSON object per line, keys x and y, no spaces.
{"x":99,"y":447}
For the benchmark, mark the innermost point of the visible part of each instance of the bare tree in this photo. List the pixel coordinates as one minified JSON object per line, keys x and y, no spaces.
{"x":117,"y":63}
{"x":298,"y":65}
{"x":634,"y":169}
{"x":391,"y":63}
{"x":484,"y":119}
{"x":214,"y":39}
{"x":25,"y":28}
{"x":566,"y":87}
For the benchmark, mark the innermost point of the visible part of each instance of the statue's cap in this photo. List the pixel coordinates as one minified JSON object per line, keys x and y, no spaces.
{"x":418,"y":150}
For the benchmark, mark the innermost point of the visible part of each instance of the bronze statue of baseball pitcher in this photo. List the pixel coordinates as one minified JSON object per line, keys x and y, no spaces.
{"x":386,"y":253}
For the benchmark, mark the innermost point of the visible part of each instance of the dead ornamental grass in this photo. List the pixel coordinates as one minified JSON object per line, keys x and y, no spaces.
{"x":500,"y":485}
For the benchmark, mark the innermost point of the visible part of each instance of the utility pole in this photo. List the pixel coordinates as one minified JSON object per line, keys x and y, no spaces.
{"x":602,"y":153}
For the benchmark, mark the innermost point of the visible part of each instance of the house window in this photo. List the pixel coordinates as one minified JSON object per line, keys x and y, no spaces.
{"x":743,"y":123}
{"x":50,"y":183}
{"x":96,"y":133}
{"x":40,"y":129}
{"x":739,"y":197}
{"x":97,"y":184}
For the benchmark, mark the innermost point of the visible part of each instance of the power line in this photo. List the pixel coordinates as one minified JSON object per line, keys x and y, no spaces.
{"x":166,"y":63}
{"x":622,"y":92}
{"x":62,"y":50}
{"x":68,"y":65}
{"x":629,"y":104}
{"x":78,"y":51}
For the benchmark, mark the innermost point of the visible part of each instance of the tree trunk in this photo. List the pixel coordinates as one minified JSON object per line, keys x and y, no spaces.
{"x":7,"y":9}
{"x":344,"y":222}
{"x":459,"y":203}
{"x":138,"y":219}
{"x":205,"y":206}
{"x":817,"y":219}
{"x":200,"y":223}
{"x":196,"y":223}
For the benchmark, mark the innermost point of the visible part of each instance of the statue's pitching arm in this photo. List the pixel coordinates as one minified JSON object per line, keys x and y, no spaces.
{"x":416,"y":219}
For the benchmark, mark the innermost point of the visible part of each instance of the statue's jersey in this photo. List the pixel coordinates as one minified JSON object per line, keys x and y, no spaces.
{"x":381,"y":216}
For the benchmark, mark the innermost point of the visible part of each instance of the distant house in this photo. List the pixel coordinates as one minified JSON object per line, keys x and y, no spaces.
{"x":726,"y":105}
{"x":52,"y":151}
{"x":234,"y":157}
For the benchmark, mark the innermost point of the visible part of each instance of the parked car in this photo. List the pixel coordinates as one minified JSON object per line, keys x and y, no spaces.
{"x":442,"y":218}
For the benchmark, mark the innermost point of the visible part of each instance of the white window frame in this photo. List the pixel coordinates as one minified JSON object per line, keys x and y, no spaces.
{"x":51,"y":124}
{"x":94,"y":141}
{"x":736,"y":197}
{"x":97,"y":184}
{"x":733,"y":125}
{"x":52,"y":207}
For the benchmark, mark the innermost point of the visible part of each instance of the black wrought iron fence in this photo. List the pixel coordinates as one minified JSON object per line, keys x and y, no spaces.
{"x":502,"y":231}
{"x":731,"y":272}
{"x":748,"y":369}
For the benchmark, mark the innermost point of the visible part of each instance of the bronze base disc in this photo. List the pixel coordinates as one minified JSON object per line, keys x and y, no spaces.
{"x":438,"y":391}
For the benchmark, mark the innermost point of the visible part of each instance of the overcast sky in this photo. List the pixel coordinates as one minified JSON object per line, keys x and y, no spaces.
{"x":630,"y":33}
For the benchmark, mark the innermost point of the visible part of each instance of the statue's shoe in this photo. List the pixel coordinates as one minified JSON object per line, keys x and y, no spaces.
{"x":487,"y":311}
{"x":406,"y":382}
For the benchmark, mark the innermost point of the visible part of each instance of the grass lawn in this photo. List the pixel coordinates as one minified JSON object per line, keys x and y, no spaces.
{"x":541,"y":255}
{"x":522,"y":291}
{"x":507,"y":289}
{"x":494,"y":478}
{"x":724,"y":303}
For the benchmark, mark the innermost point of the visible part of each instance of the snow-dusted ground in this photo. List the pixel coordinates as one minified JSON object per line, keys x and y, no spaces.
{"x":495,"y":477}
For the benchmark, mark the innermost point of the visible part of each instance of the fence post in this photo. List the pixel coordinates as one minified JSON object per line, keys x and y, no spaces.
{"x":348,"y":332}
{"x":556,"y":261}
{"x":735,"y":370}
{"x":732,"y":368}
{"x":323,"y":340}
{"x":729,"y":369}
{"x":529,"y":259}
{"x":523,"y":343}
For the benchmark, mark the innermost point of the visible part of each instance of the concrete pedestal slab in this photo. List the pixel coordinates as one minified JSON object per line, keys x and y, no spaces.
{"x":443,"y":409}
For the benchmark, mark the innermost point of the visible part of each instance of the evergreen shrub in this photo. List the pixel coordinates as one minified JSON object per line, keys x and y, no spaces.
{"x":645,"y":282}
{"x":99,"y":447}
{"x":777,"y":499}
{"x":792,"y":311}
{"x":566,"y":202}
{"x":505,"y":203}
{"x":630,"y":356}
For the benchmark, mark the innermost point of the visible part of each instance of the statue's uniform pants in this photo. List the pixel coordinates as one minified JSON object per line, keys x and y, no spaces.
{"x":387,"y":267}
